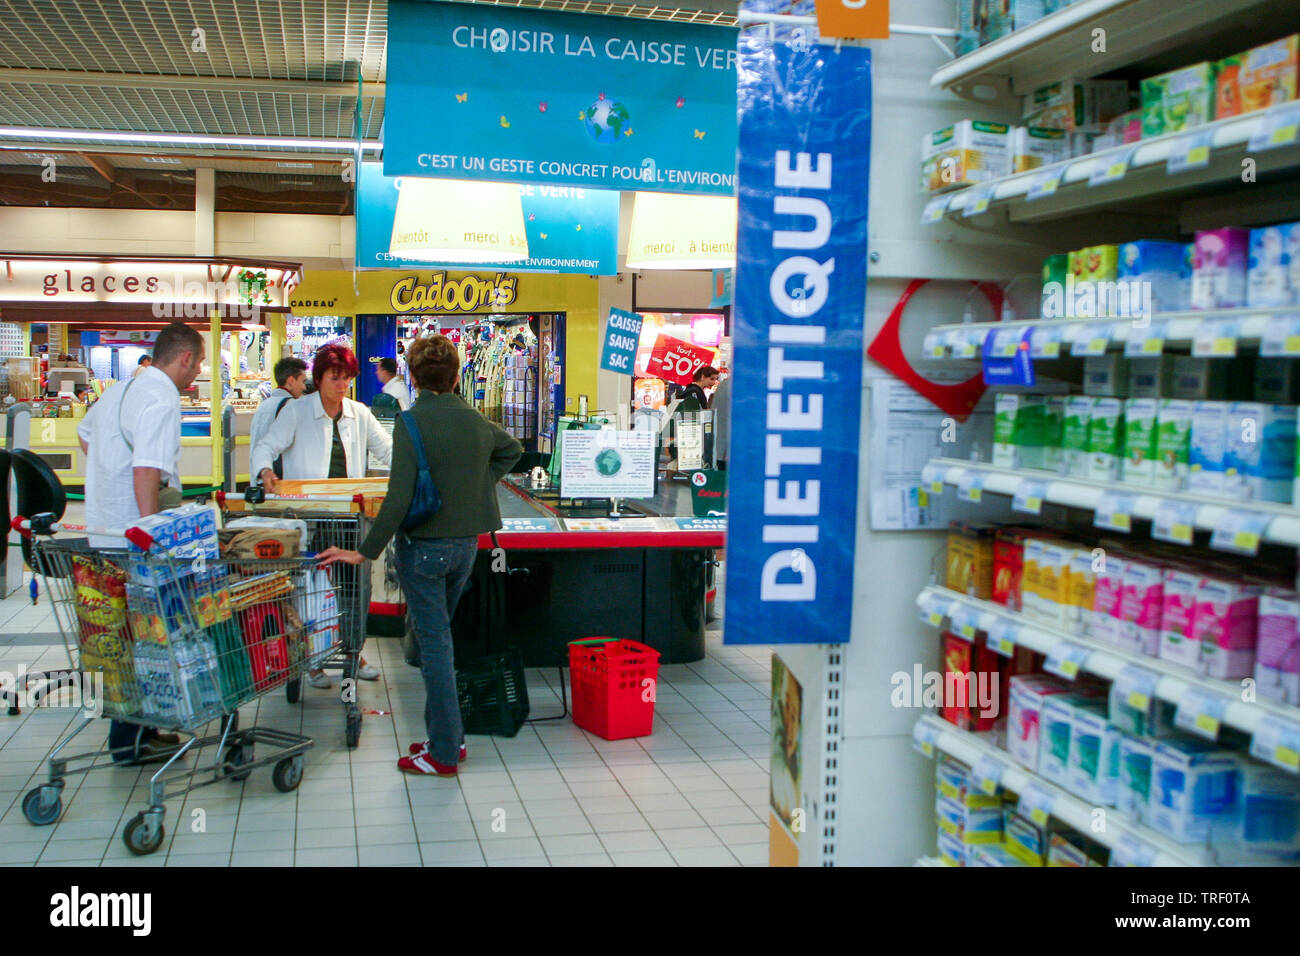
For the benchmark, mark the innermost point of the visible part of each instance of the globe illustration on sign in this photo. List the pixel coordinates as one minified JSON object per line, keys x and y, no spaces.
{"x":609,"y":462}
{"x":606,"y":119}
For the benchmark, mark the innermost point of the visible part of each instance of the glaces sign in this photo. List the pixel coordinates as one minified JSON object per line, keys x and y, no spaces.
{"x":441,"y":294}
{"x":161,"y":284}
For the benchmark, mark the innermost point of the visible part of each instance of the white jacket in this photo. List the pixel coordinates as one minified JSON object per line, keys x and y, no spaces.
{"x":304,"y":434}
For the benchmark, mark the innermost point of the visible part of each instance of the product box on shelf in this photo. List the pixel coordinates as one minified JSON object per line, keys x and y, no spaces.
{"x":1140,"y":446}
{"x":1017,"y":429}
{"x":1270,"y":267}
{"x":1031,"y":562}
{"x":1277,"y":652}
{"x":1141,"y":602}
{"x":1275,"y":380}
{"x":1133,"y":789}
{"x":1149,"y":376}
{"x":970,"y":560}
{"x":1056,"y":725}
{"x":1054,"y":582}
{"x":1082,"y":589}
{"x":1108,"y":589}
{"x":969,"y":824}
{"x":968,"y":700}
{"x":1035,"y":146}
{"x":1220,"y":267}
{"x":1207,"y":455}
{"x":993,"y":855}
{"x":1198,"y":379}
{"x":1053,"y":454}
{"x":1173,"y":444}
{"x":1178,"y":643}
{"x":1160,"y":266}
{"x":1101,"y":263}
{"x":969,"y":151}
{"x":1106,"y":376}
{"x":1225,"y":624}
{"x":1026,"y":840}
{"x":1008,"y":568}
{"x":952,"y":851}
{"x":1028,"y":694}
{"x":1270,"y":813}
{"x":1074,"y":849}
{"x":968,"y":28}
{"x":1258,"y":78}
{"x":1106,"y":439}
{"x":1074,"y":434}
{"x":950,"y":777}
{"x":1194,"y":789}
{"x":1074,"y":104}
{"x":1179,"y":100}
{"x":1094,"y":754}
{"x":1261,"y":452}
{"x":1002,"y":17}
{"x":1131,"y":715}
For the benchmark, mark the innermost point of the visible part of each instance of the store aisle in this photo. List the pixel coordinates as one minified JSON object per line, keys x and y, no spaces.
{"x":693,"y":793}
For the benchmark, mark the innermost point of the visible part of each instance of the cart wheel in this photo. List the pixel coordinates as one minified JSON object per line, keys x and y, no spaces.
{"x":39,"y":809}
{"x":230,"y":720}
{"x":293,"y":690}
{"x":287,"y":774}
{"x":354,"y":729}
{"x":238,"y":756}
{"x":137,"y":837}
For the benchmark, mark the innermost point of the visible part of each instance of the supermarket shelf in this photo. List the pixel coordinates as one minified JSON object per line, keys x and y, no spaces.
{"x":1060,"y":44}
{"x":1283,"y":526}
{"x":969,"y":748}
{"x":1176,"y":331}
{"x":1146,"y":176}
{"x":1106,"y":661}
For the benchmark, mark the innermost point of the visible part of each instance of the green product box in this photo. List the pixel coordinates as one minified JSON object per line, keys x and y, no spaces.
{"x":1106,"y":439}
{"x":1140,"y":446}
{"x":1074,"y":434}
{"x":1017,"y":430}
{"x":1053,"y":434}
{"x":1178,"y":100}
{"x":1173,"y":443}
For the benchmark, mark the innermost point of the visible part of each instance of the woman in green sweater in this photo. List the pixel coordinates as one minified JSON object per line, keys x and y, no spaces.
{"x":467,"y":456}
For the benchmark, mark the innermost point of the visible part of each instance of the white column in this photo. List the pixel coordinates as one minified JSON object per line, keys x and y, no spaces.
{"x":205,"y":211}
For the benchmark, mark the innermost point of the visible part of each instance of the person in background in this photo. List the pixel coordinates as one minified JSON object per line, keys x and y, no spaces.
{"x":328,"y":435}
{"x":290,"y":380}
{"x":705,"y":378}
{"x":132,"y":441}
{"x":467,"y":456}
{"x":145,"y":361}
{"x":386,"y":371}
{"x":722,"y":423}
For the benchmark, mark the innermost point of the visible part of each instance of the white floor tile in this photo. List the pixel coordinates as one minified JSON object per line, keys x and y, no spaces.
{"x":631,"y":841}
{"x":705,"y":856}
{"x":644,"y":858}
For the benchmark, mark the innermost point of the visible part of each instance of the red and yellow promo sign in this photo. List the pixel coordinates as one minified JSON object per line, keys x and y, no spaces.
{"x":853,"y":19}
{"x":676,"y":361}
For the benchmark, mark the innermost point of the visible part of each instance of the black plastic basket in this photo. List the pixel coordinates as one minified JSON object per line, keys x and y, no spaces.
{"x":493,"y":694}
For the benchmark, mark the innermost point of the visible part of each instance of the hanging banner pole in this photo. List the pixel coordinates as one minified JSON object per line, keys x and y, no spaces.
{"x":800,"y":294}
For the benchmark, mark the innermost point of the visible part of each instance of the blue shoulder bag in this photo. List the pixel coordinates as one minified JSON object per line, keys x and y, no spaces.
{"x":425,"y":501}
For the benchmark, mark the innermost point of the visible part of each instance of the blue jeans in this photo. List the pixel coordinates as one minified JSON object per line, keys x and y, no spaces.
{"x":433,"y":572}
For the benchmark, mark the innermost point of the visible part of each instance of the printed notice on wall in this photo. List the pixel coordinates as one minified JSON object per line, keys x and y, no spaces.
{"x":607,"y":464}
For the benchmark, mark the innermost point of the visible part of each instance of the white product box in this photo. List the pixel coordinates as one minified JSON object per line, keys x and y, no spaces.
{"x":1173,"y":444}
{"x":1094,"y":755}
{"x":1207,"y":455}
{"x":1194,"y":789}
{"x":1277,"y":652}
{"x":1260,"y":456}
{"x":1027,"y":696}
{"x":1133,"y":789}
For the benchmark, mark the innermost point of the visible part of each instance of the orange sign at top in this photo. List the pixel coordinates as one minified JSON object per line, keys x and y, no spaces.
{"x":853,"y":19}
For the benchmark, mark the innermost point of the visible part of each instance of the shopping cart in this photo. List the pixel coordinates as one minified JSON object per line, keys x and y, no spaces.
{"x":333,"y":521}
{"x":178,"y":644}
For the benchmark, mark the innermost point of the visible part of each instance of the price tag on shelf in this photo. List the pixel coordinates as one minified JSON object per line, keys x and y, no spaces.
{"x":1190,"y":151}
{"x":1045,"y":182}
{"x":924,"y":735}
{"x":1006,"y":341}
{"x":1115,"y":511}
{"x":1276,"y":740}
{"x":1240,"y":531}
{"x":1136,"y":686}
{"x":932,"y":478}
{"x":1201,"y":712}
{"x":1174,"y":522}
{"x":1111,"y":168}
{"x":1282,"y":336}
{"x":1130,"y":850}
{"x":1278,"y":127}
{"x":986,"y":775}
{"x":1093,"y":339}
{"x":1003,"y":634}
{"x":965,"y":622}
{"x":1036,"y":803}
{"x":954,"y":475}
{"x":978,"y":201}
{"x":930,"y":609}
{"x":935,"y":345}
{"x":968,"y":343}
{"x":1145,"y":337}
{"x":1065,"y":659}
{"x":935,"y":209}
{"x":1070,"y":333}
{"x":1029,"y":496}
{"x":970,"y":487}
{"x":1045,"y":342}
{"x":1216,"y":338}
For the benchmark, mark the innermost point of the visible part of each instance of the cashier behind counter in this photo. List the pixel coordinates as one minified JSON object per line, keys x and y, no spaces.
{"x":66,"y":375}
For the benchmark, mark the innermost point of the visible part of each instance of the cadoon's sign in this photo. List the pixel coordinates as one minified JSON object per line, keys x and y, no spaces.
{"x":442,"y":293}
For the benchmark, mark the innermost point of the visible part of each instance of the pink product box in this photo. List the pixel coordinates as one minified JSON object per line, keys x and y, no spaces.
{"x":1226,"y":626}
{"x":1177,"y":614}
{"x":1141,"y":604}
{"x":1220,"y":263}
{"x":1105,"y":622}
{"x":1277,"y":661}
{"x":1026,"y":696}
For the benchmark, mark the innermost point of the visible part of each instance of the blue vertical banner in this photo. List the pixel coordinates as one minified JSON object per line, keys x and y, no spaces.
{"x":800,"y":298}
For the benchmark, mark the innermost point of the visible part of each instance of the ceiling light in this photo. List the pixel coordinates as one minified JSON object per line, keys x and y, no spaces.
{"x":295,"y":165}
{"x":186,"y":139}
{"x":296,"y":182}
{"x":677,"y":231}
{"x":161,"y":160}
{"x":452,"y":220}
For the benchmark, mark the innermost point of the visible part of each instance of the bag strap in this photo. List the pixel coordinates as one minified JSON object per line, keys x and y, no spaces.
{"x":414,"y":431}
{"x":129,"y":447}
{"x":279,"y":408}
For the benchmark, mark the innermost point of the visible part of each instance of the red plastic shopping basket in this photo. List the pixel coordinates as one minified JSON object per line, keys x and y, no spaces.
{"x":613,"y":684}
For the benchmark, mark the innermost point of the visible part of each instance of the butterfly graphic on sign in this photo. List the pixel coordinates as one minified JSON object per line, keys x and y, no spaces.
{"x":699,"y":134}
{"x":461,"y":97}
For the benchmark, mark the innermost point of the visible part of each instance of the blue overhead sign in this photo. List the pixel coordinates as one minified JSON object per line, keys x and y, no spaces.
{"x":477,"y":91}
{"x":622,"y":336}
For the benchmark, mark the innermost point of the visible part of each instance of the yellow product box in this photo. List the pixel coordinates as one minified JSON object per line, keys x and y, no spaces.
{"x":969,"y":824}
{"x":1073,"y":104}
{"x":1035,"y":146}
{"x":971,"y":151}
{"x":1101,"y":264}
{"x":1031,"y":600}
{"x":958,"y":561}
{"x":1054,"y":581}
{"x":1082,"y":591}
{"x":1257,"y":79}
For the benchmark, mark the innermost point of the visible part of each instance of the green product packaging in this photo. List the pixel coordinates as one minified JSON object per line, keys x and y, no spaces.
{"x":1173,"y":442}
{"x":1178,"y":100}
{"x":1140,"y":447}
{"x":1053,"y":434}
{"x":1106,"y":439}
{"x":1017,"y":430}
{"x":1074,"y":434}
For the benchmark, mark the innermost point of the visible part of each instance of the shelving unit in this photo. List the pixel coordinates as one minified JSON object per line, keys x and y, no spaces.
{"x":1174,"y":684}
{"x":1137,"y":843}
{"x":1283,"y":525}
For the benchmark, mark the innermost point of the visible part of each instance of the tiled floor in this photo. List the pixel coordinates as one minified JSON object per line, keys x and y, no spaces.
{"x":694,"y":793}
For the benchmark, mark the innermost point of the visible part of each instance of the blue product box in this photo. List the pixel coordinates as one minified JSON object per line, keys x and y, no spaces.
{"x":1270,"y":813}
{"x":1260,"y":456}
{"x":184,"y":533}
{"x":1207,"y":455}
{"x":1133,"y":792}
{"x":1268,"y":282}
{"x":1094,"y":755}
{"x":1195,"y":788}
{"x":1164,"y":267}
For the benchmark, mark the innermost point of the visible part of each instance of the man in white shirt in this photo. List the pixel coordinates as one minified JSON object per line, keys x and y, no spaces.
{"x":132,"y":441}
{"x":386,"y":370}
{"x":291,"y":381}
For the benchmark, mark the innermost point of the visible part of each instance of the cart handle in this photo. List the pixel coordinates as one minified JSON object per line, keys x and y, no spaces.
{"x":45,"y":524}
{"x":261,"y":496}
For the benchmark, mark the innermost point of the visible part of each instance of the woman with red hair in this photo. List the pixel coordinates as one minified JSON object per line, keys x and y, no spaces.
{"x":324,"y":435}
